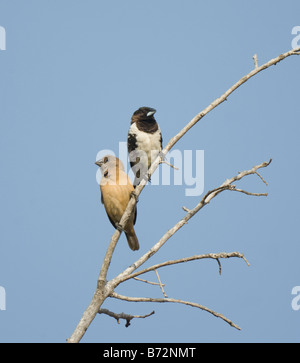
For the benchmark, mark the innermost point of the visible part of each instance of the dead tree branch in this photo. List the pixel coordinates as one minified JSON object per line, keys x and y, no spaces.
{"x":160,"y":284}
{"x":255,"y":61}
{"x":215,"y":256}
{"x":104,"y":288}
{"x":164,"y":300}
{"x":148,"y":282}
{"x":124,"y":316}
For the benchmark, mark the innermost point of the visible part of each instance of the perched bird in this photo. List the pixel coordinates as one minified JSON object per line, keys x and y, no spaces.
{"x":144,"y":142}
{"x":116,"y":189}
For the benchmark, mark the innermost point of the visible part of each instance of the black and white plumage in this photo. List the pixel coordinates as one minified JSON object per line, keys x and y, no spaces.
{"x":144,"y":142}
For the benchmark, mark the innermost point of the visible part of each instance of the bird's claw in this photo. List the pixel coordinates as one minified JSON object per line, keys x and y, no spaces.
{"x":119,"y":227}
{"x":133,"y":194}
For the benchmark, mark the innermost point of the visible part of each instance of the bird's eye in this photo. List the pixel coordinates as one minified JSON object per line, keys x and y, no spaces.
{"x":106,"y":174}
{"x":105,"y":160}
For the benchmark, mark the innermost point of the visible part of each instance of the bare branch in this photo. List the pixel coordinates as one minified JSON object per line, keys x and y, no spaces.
{"x":164,"y":300}
{"x":165,"y":162}
{"x":220,"y":267}
{"x":296,"y":51}
{"x":255,"y":61}
{"x":124,"y":316}
{"x":261,"y":178}
{"x":233,"y":188}
{"x":104,"y":289}
{"x":215,"y":256}
{"x":148,"y":282}
{"x":160,"y":284}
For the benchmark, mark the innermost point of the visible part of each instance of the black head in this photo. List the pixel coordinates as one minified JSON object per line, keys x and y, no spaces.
{"x":144,"y":114}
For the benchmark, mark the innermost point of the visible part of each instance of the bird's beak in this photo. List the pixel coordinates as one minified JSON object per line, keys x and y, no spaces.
{"x":151,"y":113}
{"x":99,"y":163}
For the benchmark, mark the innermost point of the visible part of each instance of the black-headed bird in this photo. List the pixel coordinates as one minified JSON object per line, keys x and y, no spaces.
{"x":116,"y":189}
{"x":144,"y":142}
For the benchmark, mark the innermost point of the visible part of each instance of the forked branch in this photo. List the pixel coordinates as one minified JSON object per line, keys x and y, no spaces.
{"x":178,"y":301}
{"x":124,"y":316}
{"x":104,"y":288}
{"x":214,"y":256}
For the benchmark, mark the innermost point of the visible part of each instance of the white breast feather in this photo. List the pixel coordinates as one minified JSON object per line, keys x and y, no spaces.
{"x":146,"y":141}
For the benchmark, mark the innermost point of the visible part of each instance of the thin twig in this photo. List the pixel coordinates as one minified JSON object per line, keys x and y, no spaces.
{"x":261,"y":178}
{"x":165,"y":162}
{"x":233,"y":188}
{"x":164,"y":300}
{"x":220,"y":267}
{"x":255,"y":61}
{"x":160,"y":284}
{"x":215,"y":256}
{"x":148,"y":282}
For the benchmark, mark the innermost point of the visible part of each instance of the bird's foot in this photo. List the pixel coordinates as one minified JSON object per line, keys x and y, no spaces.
{"x":133,"y":194}
{"x":119,"y":227}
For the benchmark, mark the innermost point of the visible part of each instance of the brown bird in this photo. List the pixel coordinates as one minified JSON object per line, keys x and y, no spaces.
{"x":116,"y":189}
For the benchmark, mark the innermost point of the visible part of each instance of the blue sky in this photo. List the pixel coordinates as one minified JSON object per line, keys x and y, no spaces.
{"x":72,"y":74}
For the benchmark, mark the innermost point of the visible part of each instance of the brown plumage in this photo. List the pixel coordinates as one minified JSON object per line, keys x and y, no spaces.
{"x":116,"y":189}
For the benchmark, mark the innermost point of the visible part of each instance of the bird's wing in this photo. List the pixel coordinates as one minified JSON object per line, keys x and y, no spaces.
{"x":131,"y":145}
{"x":131,"y":142}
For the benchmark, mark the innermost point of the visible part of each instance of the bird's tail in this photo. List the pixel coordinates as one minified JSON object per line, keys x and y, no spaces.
{"x":132,"y":240}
